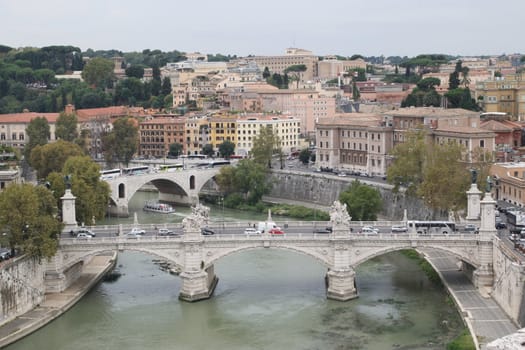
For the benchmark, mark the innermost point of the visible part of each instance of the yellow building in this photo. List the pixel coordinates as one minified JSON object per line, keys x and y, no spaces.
{"x":503,"y":94}
{"x":197,"y":134}
{"x":222,"y":127}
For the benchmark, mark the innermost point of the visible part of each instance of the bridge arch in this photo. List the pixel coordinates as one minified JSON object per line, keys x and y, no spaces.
{"x":159,"y":254}
{"x":370,"y":254}
{"x":221,"y":253}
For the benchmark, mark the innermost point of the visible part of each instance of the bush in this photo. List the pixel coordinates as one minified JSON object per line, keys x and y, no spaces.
{"x":462,"y":342}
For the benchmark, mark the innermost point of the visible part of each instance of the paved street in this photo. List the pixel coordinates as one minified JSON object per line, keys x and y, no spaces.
{"x":486,"y":318}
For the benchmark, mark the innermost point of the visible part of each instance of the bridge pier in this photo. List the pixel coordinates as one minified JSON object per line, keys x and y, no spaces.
{"x":340,"y":284}
{"x":198,"y":285}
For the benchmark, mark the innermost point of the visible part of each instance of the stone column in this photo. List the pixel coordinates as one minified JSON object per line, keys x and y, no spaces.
{"x":198,"y":280}
{"x":484,"y":274}
{"x":473,"y":202}
{"x":340,"y":279}
{"x":68,"y":211}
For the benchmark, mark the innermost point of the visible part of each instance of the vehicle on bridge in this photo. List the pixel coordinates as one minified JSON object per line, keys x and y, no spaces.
{"x":136,"y":231}
{"x":399,"y":229}
{"x":251,"y":231}
{"x":110,"y":174}
{"x":276,"y":231}
{"x":82,"y":232}
{"x":136,"y":170}
{"x":429,"y":227}
{"x":157,"y":207}
{"x":323,"y":230}
{"x":369,"y":230}
{"x":166,"y":232}
{"x":5,"y":254}
{"x":171,"y":167}
{"x":205,"y":231}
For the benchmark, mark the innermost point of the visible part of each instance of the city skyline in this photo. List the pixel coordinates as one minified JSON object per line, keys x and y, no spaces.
{"x":466,"y":28}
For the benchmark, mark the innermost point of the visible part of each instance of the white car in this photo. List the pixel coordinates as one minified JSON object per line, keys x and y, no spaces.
{"x":83,"y":235}
{"x":251,"y":231}
{"x":135,"y":232}
{"x":399,"y":229}
{"x":369,"y":230}
{"x":165,"y":232}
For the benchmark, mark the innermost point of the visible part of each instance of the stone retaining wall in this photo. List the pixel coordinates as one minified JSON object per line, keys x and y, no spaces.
{"x":21,"y":287}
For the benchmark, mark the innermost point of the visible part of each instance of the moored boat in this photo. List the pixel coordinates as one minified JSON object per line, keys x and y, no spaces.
{"x":157,"y":207}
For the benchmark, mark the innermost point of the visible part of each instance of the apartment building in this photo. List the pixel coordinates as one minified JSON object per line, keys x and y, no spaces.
{"x":357,"y":142}
{"x":287,"y":128}
{"x":331,"y":68}
{"x":509,"y":181}
{"x":222,"y":127}
{"x":508,"y":138}
{"x":292,"y":56}
{"x":503,"y":94}
{"x":157,"y":134}
{"x":197,"y":134}
{"x":13,"y":128}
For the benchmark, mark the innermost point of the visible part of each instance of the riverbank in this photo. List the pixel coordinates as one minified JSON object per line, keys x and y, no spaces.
{"x":56,"y":304}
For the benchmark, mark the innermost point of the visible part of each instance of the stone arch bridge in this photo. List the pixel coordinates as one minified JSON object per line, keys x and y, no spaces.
{"x":341,"y":251}
{"x":182,"y":186}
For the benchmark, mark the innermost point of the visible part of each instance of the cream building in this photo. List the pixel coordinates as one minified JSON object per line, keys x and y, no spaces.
{"x":292,"y":56}
{"x":13,"y":128}
{"x":287,"y":128}
{"x":509,"y":181}
{"x":504,"y":94}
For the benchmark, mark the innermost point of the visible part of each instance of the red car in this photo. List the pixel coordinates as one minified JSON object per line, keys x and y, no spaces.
{"x":276,"y":231}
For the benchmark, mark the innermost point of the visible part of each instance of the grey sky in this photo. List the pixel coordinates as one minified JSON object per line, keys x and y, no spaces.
{"x":345,"y":27}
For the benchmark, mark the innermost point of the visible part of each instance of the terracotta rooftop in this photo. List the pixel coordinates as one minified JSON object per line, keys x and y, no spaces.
{"x":164,"y":120}
{"x":115,"y":111}
{"x":497,"y":126}
{"x":17,"y":118}
{"x":462,"y":130}
{"x":355,"y":119}
{"x":431,"y":112}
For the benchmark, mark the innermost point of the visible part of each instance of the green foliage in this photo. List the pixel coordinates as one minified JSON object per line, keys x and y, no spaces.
{"x":461,"y":98}
{"x":176,"y":149}
{"x":28,"y":216}
{"x":92,"y":193}
{"x":363,"y":202}
{"x":445,"y":178}
{"x":226,"y":149}
{"x":297,"y":68}
{"x":462,"y":342}
{"x":38,"y":132}
{"x":300,"y":212}
{"x":265,"y":145}
{"x":266,"y":73}
{"x":207,"y":150}
{"x":98,"y":72}
{"x":120,"y":144}
{"x":135,"y":71}
{"x":305,"y":155}
{"x":52,"y":157}
{"x":247,"y":179}
{"x":428,"y":84}
{"x":429,"y":271}
{"x":409,"y":158}
{"x":278,"y":80}
{"x":66,"y":127}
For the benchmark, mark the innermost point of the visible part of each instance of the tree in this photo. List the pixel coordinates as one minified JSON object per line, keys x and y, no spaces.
{"x":28,"y":217}
{"x":207,"y":149}
{"x":98,"y":72}
{"x":356,"y":95}
{"x":120,"y":144}
{"x":428,"y":84}
{"x":248,"y":179}
{"x":38,"y":132}
{"x":266,"y":73}
{"x":453,"y":80}
{"x":407,"y":168}
{"x":304,"y":156}
{"x":135,"y":71}
{"x":265,"y":145}
{"x":294,"y":72}
{"x":226,"y":149}
{"x":175,"y":149}
{"x":446,"y":179}
{"x":166,"y":86}
{"x":66,"y":127}
{"x":92,"y":194}
{"x":52,"y":157}
{"x":363,"y":202}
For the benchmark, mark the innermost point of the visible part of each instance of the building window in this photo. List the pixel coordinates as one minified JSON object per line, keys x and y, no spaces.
{"x":482,"y":143}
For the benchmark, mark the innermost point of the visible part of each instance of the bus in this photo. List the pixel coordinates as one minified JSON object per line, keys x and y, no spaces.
{"x":136,"y":170}
{"x":110,"y":174}
{"x":171,"y":167}
{"x":215,"y":163}
{"x":429,"y":227}
{"x":194,"y":156}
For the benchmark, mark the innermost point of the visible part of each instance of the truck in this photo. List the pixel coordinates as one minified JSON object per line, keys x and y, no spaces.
{"x":516,"y":221}
{"x":265,"y":226}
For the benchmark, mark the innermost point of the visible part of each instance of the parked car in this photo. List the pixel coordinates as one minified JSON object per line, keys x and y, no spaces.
{"x":369,"y":230}
{"x":136,"y":231}
{"x":5,"y":254}
{"x":251,"y":231}
{"x":83,"y":231}
{"x":501,"y":225}
{"x":165,"y":232}
{"x":207,"y":231}
{"x":276,"y":231}
{"x":399,"y":229}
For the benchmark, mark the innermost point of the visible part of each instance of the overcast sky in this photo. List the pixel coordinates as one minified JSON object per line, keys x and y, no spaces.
{"x":344,"y":27}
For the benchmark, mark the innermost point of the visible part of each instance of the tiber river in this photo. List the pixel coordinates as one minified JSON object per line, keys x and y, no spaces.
{"x":265,"y":299}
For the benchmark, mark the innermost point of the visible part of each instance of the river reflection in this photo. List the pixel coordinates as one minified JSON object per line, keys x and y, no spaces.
{"x":265,"y":299}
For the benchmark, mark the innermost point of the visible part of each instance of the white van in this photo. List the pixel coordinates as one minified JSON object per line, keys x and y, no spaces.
{"x":265,"y":226}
